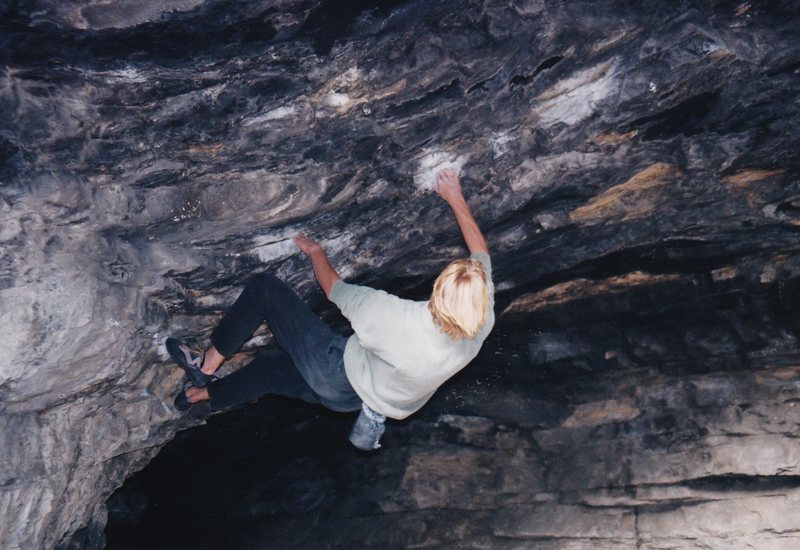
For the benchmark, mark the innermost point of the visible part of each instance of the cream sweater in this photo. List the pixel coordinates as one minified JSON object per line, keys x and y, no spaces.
{"x":398,"y":357}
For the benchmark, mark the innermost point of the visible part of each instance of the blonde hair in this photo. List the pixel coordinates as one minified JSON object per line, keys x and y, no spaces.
{"x":458,"y":301}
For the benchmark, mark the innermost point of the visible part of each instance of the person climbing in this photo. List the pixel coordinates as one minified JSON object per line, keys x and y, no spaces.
{"x":400,"y":353}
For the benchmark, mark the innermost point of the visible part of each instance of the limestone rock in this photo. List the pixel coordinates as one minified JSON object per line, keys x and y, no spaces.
{"x":635,"y":168}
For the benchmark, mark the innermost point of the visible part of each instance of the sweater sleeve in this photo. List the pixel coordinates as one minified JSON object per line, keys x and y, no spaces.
{"x":484,"y":259}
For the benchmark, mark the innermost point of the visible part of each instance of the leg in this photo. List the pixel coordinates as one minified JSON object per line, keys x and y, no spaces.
{"x":212,"y":360}
{"x":261,"y":295}
{"x":270,"y":373}
{"x":314,"y":348}
{"x":238,"y":324}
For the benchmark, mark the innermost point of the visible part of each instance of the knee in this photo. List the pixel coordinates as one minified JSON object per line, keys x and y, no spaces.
{"x":262,"y":282}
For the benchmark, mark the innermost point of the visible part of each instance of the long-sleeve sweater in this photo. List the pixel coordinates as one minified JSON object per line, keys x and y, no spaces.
{"x":399,"y":356}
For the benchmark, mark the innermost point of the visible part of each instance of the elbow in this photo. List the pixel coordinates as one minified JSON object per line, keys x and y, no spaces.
{"x":327,"y":288}
{"x":480,"y":247}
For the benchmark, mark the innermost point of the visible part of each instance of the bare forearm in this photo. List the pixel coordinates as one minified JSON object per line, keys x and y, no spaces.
{"x":472,"y":234}
{"x":323,"y":271}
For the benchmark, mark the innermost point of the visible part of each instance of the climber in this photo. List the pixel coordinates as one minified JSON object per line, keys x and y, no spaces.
{"x":400,"y":353}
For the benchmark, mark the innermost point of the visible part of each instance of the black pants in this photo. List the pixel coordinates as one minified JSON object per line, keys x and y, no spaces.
{"x":308,"y":363}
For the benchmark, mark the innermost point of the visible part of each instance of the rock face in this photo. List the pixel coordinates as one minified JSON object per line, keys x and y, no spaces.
{"x":634,"y":165}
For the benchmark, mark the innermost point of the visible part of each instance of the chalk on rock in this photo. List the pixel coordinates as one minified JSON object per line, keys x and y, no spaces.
{"x":430,"y":164}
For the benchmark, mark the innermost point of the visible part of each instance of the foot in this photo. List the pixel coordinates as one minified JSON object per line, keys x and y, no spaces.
{"x":190,"y":395}
{"x":182,"y":402}
{"x":190,"y":360}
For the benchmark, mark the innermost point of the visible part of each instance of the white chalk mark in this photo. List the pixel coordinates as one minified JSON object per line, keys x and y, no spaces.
{"x":336,"y":99}
{"x":434,"y":161}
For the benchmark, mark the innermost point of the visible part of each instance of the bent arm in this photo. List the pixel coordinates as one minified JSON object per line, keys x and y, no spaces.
{"x":449,"y":188}
{"x":323,"y":270}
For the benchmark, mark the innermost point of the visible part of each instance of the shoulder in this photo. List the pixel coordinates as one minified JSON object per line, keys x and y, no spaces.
{"x":348,"y":294}
{"x":485,"y":260}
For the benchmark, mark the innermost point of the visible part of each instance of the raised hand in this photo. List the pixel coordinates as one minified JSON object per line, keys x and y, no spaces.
{"x":306,"y":245}
{"x":449,"y":188}
{"x":447,"y":185}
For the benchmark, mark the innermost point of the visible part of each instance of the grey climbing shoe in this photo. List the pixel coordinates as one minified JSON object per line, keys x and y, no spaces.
{"x":190,"y":360}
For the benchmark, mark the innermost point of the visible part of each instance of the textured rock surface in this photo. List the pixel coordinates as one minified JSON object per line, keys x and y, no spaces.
{"x":635,"y":167}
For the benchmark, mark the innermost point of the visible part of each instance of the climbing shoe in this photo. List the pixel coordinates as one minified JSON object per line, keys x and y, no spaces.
{"x":182,"y":402}
{"x":190,"y":360}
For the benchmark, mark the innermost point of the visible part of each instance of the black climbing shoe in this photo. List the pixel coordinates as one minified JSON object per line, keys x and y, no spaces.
{"x":190,"y":360}
{"x":182,"y":402}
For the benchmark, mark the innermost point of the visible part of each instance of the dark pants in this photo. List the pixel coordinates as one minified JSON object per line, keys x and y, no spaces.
{"x":308,"y":364}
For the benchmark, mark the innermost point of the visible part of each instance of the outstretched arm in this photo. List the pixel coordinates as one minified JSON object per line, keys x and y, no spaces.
{"x":323,"y":270}
{"x":449,"y":188}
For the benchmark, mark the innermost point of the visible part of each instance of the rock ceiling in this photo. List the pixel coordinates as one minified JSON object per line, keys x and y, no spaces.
{"x":631,"y":163}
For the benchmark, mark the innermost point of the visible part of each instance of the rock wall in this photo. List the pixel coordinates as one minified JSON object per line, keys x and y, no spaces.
{"x":153,"y":153}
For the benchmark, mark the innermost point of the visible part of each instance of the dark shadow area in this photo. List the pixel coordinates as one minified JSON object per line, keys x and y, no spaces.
{"x":216,"y":485}
{"x":331,"y":21}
